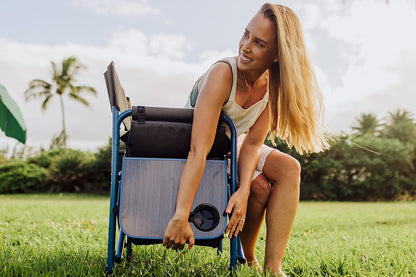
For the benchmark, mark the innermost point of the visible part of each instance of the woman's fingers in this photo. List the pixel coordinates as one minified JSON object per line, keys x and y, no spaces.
{"x":237,"y":208}
{"x":235,"y":225}
{"x":167,"y":242}
{"x":191,"y":242}
{"x":177,"y":234}
{"x":238,"y":228}
{"x":230,"y":205}
{"x":240,"y":225}
{"x":170,"y":243}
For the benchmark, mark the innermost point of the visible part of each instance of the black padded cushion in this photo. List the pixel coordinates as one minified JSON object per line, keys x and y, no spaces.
{"x":160,"y":132}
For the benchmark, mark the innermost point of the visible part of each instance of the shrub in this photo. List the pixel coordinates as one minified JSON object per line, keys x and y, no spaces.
{"x":69,"y":171}
{"x":17,"y":176}
{"x":101,"y":170}
{"x":44,"y":159}
{"x":359,"y":168}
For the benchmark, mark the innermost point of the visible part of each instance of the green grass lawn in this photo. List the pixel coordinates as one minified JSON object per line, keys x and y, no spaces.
{"x":66,"y":235}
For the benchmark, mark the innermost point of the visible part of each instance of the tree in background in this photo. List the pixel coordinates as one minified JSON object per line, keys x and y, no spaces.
{"x":377,"y":162}
{"x":400,"y":125}
{"x":355,"y":168}
{"x":63,"y":82}
{"x":366,"y":124}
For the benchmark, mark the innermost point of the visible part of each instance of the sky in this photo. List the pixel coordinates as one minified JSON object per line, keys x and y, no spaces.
{"x":363,"y":53}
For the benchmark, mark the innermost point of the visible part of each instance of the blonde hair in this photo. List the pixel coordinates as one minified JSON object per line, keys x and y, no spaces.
{"x":295,"y":99}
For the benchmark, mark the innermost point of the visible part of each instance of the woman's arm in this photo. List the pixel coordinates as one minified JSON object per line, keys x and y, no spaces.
{"x":214,"y":92}
{"x":247,"y":162}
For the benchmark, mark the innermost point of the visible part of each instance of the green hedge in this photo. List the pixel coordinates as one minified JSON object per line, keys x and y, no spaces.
{"x":58,"y":170}
{"x":357,"y":169}
{"x":354,"y":168}
{"x":18,"y":176}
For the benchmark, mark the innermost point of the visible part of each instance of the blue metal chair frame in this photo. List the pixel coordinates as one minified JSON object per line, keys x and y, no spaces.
{"x":112,"y":256}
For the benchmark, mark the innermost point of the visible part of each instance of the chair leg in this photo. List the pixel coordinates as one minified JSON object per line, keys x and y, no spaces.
{"x":111,"y":243}
{"x":233,"y":253}
{"x":241,"y":259}
{"x":219,"y":247}
{"x":129,"y":249}
{"x":113,"y":194}
{"x":120,"y":247}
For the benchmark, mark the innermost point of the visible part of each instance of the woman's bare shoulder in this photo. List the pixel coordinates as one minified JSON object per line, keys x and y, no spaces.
{"x":221,"y":69}
{"x":218,"y":79}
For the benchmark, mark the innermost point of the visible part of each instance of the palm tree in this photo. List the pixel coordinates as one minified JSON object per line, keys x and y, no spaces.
{"x":400,"y":116}
{"x":63,"y":80}
{"x":367,"y":124}
{"x":401,"y":126}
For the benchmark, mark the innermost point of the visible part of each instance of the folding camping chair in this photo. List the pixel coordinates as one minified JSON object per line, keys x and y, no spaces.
{"x":145,"y":178}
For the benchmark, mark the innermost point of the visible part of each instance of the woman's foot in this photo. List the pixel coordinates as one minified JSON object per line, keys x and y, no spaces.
{"x":256,"y":264}
{"x":282,"y":274}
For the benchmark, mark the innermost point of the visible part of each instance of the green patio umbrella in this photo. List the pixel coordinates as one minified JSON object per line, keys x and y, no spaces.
{"x":11,"y":119}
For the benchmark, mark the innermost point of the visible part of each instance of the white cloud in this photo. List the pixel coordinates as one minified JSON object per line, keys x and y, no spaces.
{"x":372,"y":38}
{"x":135,"y":43}
{"x":130,"y":42}
{"x":117,"y":7}
{"x":170,"y":46}
{"x":150,"y":76}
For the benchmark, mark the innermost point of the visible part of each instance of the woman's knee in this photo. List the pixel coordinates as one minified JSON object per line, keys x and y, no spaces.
{"x":260,"y":189}
{"x":292,"y":166}
{"x":281,"y":167}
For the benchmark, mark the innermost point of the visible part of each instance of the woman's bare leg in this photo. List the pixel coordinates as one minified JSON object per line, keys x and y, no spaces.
{"x":257,"y":202}
{"x":284,"y":172}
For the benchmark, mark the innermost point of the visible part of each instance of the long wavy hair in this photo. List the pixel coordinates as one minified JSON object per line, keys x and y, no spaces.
{"x":294,"y":96}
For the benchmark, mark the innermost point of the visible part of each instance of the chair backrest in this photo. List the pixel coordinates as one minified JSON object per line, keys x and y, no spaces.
{"x":158,"y":132}
{"x":116,"y":93}
{"x":161,"y":132}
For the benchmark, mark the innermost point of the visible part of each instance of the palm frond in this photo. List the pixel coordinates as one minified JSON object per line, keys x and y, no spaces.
{"x":87,"y":89}
{"x":70,"y":67}
{"x":55,"y":71}
{"x":39,"y":83}
{"x":38,"y":89}
{"x":46,"y":102}
{"x":399,"y":116}
{"x":78,"y":98}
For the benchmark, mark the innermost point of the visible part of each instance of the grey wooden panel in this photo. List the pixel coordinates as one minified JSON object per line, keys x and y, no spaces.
{"x":148,"y":196}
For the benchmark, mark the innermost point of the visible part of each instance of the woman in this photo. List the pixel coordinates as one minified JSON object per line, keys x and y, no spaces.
{"x":270,"y":88}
